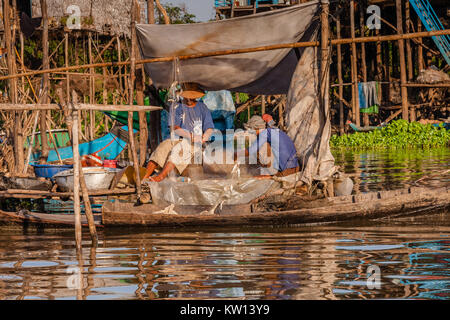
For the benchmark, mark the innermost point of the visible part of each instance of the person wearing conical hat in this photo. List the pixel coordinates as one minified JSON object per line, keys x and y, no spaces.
{"x":190,"y":120}
{"x":273,"y":149}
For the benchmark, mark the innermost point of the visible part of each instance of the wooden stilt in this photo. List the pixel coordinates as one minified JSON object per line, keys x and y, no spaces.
{"x":150,"y":11}
{"x":91,"y":91}
{"x":401,"y":49}
{"x":363,"y":58}
{"x":420,"y":49}
{"x":354,"y":71}
{"x":325,"y":69}
{"x":76,"y":176}
{"x":263,"y":104}
{"x":44,"y":93}
{"x":339,"y":71}
{"x":130,"y":100}
{"x":67,"y":112}
{"x":408,"y":42}
{"x":140,"y":83}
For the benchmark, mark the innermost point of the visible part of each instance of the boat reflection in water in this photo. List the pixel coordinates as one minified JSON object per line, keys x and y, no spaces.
{"x":317,"y":262}
{"x":310,"y":262}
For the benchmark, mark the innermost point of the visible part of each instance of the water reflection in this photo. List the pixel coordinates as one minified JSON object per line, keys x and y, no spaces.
{"x":302,"y":263}
{"x":394,"y":169}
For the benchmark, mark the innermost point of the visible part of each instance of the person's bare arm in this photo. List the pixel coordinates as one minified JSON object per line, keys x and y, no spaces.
{"x":182,"y":133}
{"x":207,"y":135}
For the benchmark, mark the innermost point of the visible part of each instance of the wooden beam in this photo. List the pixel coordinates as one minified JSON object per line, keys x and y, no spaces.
{"x":79,"y":106}
{"x":340,"y":80}
{"x":354,"y":67}
{"x":46,"y":81}
{"x":401,"y":49}
{"x":76,"y":177}
{"x":132,"y":77}
{"x":150,"y":11}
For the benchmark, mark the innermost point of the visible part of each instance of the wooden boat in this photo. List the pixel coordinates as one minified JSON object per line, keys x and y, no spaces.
{"x":363,"y":129}
{"x":372,"y":205}
{"x":107,"y":147}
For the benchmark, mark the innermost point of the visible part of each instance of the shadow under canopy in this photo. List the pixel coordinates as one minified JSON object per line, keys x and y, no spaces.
{"x":271,"y":72}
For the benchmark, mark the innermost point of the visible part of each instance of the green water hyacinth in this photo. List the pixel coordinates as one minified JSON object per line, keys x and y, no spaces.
{"x":398,"y":134}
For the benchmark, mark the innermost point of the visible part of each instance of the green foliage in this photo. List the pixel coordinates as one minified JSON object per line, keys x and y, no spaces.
{"x":398,"y":134}
{"x":177,"y":15}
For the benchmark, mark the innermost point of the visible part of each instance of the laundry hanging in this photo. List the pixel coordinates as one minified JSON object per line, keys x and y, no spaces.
{"x":368,"y":96}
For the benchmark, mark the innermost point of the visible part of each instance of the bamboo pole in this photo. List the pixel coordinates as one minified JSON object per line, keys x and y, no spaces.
{"x":91,"y":90}
{"x":408,"y":42}
{"x":130,"y":100}
{"x":54,"y":142}
{"x":12,"y":90}
{"x":150,"y":11}
{"x":401,"y":49}
{"x":354,"y":70}
{"x":78,"y":107}
{"x":105,"y":98}
{"x":363,"y":58}
{"x":67,"y":113}
{"x":140,"y":83}
{"x":237,"y":51}
{"x":88,"y":208}
{"x":30,"y":147}
{"x":420,"y":49}
{"x":163,"y":12}
{"x":339,"y":71}
{"x":44,"y":93}
{"x":325,"y":70}
{"x":76,"y":177}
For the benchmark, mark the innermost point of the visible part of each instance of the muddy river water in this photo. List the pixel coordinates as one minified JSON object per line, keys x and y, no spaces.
{"x":402,"y":258}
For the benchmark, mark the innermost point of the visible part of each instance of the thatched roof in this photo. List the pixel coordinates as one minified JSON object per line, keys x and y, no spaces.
{"x":105,"y":16}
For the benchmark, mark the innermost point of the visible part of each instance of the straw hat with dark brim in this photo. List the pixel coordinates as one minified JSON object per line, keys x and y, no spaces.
{"x":191,"y":91}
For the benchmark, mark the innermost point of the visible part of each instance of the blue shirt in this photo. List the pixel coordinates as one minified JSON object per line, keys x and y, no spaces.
{"x":283,"y":149}
{"x":189,"y":118}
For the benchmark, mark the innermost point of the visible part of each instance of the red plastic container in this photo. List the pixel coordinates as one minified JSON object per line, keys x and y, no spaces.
{"x":110,"y":163}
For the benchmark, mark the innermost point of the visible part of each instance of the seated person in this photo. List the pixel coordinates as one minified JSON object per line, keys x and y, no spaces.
{"x":274,"y":150}
{"x":192,"y":122}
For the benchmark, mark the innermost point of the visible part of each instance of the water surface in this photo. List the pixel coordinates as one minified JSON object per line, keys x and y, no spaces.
{"x":405,"y":258}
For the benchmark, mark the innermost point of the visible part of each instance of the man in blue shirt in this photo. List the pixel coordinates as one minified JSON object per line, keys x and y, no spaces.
{"x":273,"y":149}
{"x":192,"y":121}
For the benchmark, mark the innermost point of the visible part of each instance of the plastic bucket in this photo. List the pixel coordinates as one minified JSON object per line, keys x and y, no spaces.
{"x":49,"y":170}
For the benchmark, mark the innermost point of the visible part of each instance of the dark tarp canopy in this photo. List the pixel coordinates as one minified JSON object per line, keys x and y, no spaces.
{"x":265,"y":72}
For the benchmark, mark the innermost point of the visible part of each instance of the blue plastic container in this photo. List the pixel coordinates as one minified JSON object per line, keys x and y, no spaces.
{"x":49,"y":170}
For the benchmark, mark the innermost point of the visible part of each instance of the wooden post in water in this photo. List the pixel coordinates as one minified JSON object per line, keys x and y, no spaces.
{"x":12,"y":84}
{"x":339,"y":70}
{"x":355,"y":94}
{"x":67,"y":112}
{"x":76,"y":175}
{"x":45,"y":78}
{"x":412,"y":111}
{"x":363,"y":58}
{"x":91,"y":91}
{"x":140,"y":83}
{"x":401,"y":49}
{"x":325,"y":70}
{"x":130,"y":100}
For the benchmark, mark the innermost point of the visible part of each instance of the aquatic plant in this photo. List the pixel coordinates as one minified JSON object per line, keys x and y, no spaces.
{"x":398,"y":134}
